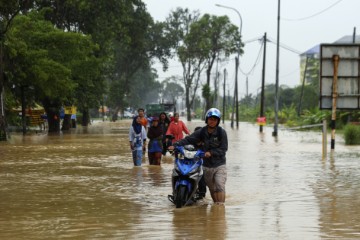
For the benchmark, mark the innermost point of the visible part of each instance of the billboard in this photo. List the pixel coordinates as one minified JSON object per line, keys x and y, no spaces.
{"x":341,"y":80}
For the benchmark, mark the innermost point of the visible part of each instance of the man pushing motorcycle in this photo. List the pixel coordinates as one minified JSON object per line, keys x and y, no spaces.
{"x":213,"y":141}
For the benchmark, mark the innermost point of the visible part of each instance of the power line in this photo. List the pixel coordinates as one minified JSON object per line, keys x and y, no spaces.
{"x":313,"y":15}
{"x":271,"y":40}
{"x":252,"y":40}
{"x":255,"y":63}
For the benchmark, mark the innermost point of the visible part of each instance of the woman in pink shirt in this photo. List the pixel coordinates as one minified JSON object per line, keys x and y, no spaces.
{"x":176,"y":128}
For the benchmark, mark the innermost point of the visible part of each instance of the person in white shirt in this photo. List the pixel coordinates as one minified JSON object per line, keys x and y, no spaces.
{"x":137,"y":138}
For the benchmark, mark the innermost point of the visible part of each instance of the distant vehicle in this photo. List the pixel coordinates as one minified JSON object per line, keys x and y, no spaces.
{"x":154,"y":109}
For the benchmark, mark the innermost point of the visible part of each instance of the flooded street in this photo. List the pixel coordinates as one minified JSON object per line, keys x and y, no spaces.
{"x":83,"y":185}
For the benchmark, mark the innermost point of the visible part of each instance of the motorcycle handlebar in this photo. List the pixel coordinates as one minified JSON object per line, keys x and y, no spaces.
{"x":180,"y":149}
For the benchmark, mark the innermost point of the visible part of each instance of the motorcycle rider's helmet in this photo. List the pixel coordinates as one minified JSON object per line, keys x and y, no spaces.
{"x":213,"y":112}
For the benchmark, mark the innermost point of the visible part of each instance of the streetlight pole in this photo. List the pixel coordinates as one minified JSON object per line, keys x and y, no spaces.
{"x":236,"y":99}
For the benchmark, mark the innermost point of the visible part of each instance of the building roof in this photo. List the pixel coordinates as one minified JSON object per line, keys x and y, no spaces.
{"x":348,"y":39}
{"x":312,"y":51}
{"x":344,"y":39}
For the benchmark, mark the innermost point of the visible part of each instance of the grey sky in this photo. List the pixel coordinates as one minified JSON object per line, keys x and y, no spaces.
{"x":304,"y":23}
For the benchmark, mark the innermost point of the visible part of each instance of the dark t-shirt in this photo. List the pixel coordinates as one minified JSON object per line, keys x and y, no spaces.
{"x":216,"y":143}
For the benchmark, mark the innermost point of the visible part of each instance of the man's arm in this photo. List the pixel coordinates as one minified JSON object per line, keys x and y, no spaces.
{"x":193,"y":139}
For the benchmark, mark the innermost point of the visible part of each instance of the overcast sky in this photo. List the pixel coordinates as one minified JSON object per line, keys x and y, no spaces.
{"x":304,"y":24}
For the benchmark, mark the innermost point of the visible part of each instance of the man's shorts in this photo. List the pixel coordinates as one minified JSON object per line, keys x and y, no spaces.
{"x":215,"y":178}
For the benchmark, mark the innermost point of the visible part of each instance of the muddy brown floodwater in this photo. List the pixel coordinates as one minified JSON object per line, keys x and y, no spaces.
{"x":83,"y":185}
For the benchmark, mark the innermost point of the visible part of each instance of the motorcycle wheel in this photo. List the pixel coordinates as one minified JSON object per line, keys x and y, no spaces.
{"x":180,"y":199}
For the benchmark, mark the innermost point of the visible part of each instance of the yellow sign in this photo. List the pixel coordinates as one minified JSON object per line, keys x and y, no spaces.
{"x":70,"y":110}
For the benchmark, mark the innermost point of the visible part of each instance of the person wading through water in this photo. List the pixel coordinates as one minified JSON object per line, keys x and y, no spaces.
{"x":213,"y":140}
{"x":155,"y":147}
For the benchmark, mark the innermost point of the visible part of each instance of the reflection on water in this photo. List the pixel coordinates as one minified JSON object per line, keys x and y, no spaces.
{"x":83,"y":185}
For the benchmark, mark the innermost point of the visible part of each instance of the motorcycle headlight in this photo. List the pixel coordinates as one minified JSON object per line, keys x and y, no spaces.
{"x":189,"y":154}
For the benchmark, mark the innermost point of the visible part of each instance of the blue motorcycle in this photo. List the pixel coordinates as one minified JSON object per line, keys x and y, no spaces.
{"x":186,"y":175}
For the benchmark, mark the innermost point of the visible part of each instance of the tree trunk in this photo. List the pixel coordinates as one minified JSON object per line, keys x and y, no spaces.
{"x":114,"y":117}
{"x":52,"y":109}
{"x":85,"y":118}
{"x":3,"y":136}
{"x":66,"y":124}
{"x":207,"y":100}
{"x":188,"y":106}
{"x":53,"y":121}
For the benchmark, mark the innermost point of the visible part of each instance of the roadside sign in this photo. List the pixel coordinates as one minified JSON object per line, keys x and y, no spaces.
{"x":348,"y":76}
{"x":70,"y":110}
{"x":261,"y":121}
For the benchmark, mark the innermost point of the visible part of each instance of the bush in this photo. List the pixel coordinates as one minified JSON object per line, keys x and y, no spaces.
{"x":352,"y":134}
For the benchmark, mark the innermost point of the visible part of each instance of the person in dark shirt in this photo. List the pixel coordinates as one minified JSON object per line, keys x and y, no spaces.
{"x":164,"y":122}
{"x":213,"y":140}
{"x":155,"y":147}
{"x":201,"y":192}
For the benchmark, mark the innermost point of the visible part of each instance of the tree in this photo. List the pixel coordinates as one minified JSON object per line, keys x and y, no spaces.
{"x":111,"y":25}
{"x":127,"y":37}
{"x":171,"y":90}
{"x":217,"y":38}
{"x":187,"y":46}
{"x":135,"y":48}
{"x":8,"y":10}
{"x":144,"y":88}
{"x":53,"y":62}
{"x":199,"y":42}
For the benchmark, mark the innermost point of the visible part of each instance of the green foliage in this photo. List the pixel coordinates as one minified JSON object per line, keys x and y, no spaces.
{"x":352,"y":134}
{"x":188,"y":49}
{"x":34,"y":56}
{"x":287,"y":113}
{"x":56,"y":63}
{"x":206,"y":91}
{"x":215,"y":37}
{"x":314,"y":116}
{"x":247,"y":113}
{"x":199,"y":41}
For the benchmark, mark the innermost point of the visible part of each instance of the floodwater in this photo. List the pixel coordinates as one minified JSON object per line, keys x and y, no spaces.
{"x":83,"y":185}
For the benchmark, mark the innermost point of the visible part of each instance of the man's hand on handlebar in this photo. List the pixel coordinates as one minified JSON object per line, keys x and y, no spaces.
{"x":207,"y":154}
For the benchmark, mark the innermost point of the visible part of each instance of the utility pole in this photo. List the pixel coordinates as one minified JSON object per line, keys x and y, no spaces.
{"x":216,"y":91}
{"x":236,"y":91}
{"x":247,"y":86}
{"x":275,"y":133}
{"x":354,"y":35}
{"x":236,"y":102}
{"x":262,"y":103}
{"x":233,"y":107}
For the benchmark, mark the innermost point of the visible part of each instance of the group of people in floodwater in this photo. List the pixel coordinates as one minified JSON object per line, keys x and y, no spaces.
{"x":212,"y":139}
{"x":155,"y":129}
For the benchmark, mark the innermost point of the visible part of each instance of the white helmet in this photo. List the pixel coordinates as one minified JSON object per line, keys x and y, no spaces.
{"x":213,"y":112}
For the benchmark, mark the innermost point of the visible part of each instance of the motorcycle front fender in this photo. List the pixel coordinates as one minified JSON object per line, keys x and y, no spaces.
{"x":184,"y":182}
